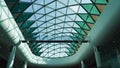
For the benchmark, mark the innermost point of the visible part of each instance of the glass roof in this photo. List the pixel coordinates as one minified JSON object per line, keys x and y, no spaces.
{"x":55,"y":20}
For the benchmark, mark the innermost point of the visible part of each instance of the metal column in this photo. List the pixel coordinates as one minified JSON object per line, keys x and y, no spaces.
{"x":82,"y":64}
{"x":25,"y":64}
{"x":97,"y":57}
{"x":11,"y":58}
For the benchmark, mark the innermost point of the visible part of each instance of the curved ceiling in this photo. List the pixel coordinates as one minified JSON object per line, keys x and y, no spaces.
{"x":55,"y":20}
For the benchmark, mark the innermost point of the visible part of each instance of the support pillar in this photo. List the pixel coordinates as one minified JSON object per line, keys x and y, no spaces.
{"x":25,"y":64}
{"x":11,"y":58}
{"x":97,"y":57}
{"x":82,"y":64}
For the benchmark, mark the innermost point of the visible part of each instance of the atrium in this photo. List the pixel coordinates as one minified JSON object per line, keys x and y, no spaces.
{"x":59,"y":34}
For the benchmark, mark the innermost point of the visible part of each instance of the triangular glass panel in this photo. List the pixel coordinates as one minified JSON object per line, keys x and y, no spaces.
{"x":48,"y":17}
{"x":78,"y":29}
{"x":72,"y":2}
{"x":78,"y":19}
{"x":72,"y":17}
{"x":39,"y":2}
{"x":52,"y":14}
{"x":67,"y":18}
{"x":42,"y":19}
{"x":52,"y":21}
{"x":39,"y":23}
{"x":62,"y":18}
{"x":41,"y":11}
{"x":83,"y":33}
{"x":89,"y":19}
{"x":74,"y":31}
{"x":83,"y":16}
{"x":100,"y":1}
{"x":29,"y":9}
{"x":47,"y":9}
{"x":81,"y":10}
{"x":87,"y":7}
{"x":75,"y":25}
{"x":34,"y":25}
{"x":36,"y":7}
{"x":86,"y":1}
{"x":38,"y":16}
{"x":32,"y":18}
{"x":74,"y":8}
{"x":70,"y":11}
{"x":70,"y":24}
{"x":59,"y":5}
{"x":52,"y":5}
{"x":95,"y":11}
{"x":58,"y":21}
{"x":24,"y":0}
{"x":47,"y":1}
{"x":80,"y":23}
{"x":86,"y":27}
{"x":58,"y":14}
{"x":57,"y":26}
{"x":78,"y":1}
{"x":63,"y":10}
{"x":65,"y":2}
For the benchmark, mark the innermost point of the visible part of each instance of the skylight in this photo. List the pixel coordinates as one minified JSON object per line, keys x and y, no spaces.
{"x":55,"y":20}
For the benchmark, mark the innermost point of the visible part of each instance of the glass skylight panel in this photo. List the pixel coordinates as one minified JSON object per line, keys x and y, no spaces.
{"x":68,"y":19}
{"x":43,"y":19}
{"x":67,"y":30}
{"x":37,"y":16}
{"x":52,"y":5}
{"x":70,"y":24}
{"x":56,"y":20}
{"x":41,"y":2}
{"x":29,"y":9}
{"x":75,"y":25}
{"x":78,"y":1}
{"x":74,"y":8}
{"x":48,"y":10}
{"x":70,"y":11}
{"x":65,"y":2}
{"x":33,"y":25}
{"x":81,"y":10}
{"x":25,"y":0}
{"x":43,"y":54}
{"x":36,"y":7}
{"x":62,"y":18}
{"x":63,"y":10}
{"x":73,"y":16}
{"x":78,"y":19}
{"x":56,"y":26}
{"x":63,"y":54}
{"x":86,"y":1}
{"x":72,"y":2}
{"x":73,"y":31}
{"x":59,"y":5}
{"x":41,"y":11}
{"x":58,"y":13}
{"x":52,"y":14}
{"x":48,"y":1}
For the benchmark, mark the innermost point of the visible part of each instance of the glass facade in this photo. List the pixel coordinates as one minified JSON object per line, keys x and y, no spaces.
{"x":55,"y":20}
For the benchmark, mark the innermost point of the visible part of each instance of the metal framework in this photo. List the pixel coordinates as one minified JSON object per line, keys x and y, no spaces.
{"x":61,"y":24}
